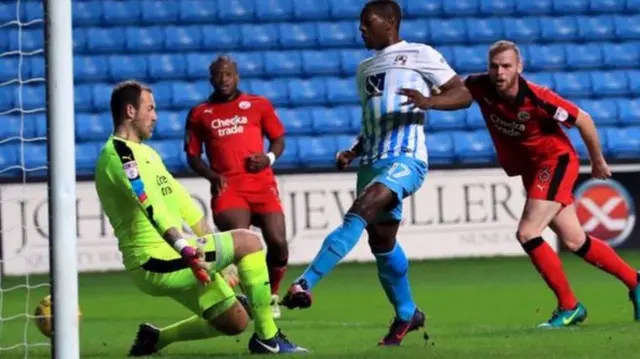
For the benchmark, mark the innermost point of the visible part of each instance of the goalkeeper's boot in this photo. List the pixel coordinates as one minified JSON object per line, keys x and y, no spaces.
{"x":245,"y":303}
{"x":275,"y":306}
{"x":298,"y":296}
{"x":400,"y":328}
{"x":634,"y":295}
{"x":566,"y":317}
{"x":276,"y":345}
{"x":146,"y":341}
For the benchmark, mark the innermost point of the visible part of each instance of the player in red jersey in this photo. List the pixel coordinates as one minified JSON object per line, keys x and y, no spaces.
{"x":524,"y":122}
{"x":231,"y":126}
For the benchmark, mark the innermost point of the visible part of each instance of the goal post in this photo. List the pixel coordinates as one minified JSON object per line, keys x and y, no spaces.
{"x":62,"y":178}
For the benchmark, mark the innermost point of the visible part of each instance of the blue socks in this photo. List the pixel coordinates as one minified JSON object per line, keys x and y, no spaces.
{"x":335,"y":247}
{"x":392,"y":272}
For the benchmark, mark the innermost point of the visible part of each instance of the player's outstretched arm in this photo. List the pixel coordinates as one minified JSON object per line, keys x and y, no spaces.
{"x":589,"y":134}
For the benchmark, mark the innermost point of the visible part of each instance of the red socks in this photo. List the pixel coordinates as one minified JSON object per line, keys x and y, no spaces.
{"x":275,"y":277}
{"x":549,"y":266}
{"x":601,"y":255}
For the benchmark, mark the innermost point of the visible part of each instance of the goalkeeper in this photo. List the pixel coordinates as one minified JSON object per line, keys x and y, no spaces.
{"x":147,"y":207}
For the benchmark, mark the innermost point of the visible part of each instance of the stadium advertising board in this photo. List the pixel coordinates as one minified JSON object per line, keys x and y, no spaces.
{"x":457,"y":213}
{"x":607,"y":209}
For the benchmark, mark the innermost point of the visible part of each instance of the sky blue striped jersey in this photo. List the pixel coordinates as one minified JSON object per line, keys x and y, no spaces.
{"x":388,"y":129}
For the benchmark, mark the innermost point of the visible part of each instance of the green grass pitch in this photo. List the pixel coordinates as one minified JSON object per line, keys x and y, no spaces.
{"x":481,"y":308}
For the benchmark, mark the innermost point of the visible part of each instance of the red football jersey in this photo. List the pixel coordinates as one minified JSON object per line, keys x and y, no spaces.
{"x":230,"y":132}
{"x":527,"y":130}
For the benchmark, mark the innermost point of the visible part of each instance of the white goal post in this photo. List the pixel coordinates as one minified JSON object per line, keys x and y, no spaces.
{"x":62,"y":178}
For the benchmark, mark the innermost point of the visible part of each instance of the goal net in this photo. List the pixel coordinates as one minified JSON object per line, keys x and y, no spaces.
{"x":24,"y":244}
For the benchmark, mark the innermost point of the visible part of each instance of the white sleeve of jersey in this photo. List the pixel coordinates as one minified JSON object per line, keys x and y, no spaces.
{"x":433,"y":66}
{"x":360,"y":88}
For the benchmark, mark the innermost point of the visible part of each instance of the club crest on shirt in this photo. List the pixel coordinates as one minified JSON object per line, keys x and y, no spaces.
{"x":131,"y":169}
{"x":544,"y":175}
{"x":400,"y":60}
{"x":561,"y":115}
{"x":374,"y":84}
{"x":524,"y":116}
{"x":244,"y":105}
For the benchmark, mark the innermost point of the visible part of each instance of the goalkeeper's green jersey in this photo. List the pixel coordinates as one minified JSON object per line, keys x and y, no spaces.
{"x":142,"y":200}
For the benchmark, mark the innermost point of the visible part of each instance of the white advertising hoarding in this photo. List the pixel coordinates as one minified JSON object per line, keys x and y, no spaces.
{"x":457,"y":213}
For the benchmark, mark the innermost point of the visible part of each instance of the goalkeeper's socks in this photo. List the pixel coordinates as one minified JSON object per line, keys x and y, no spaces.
{"x":254,"y":278}
{"x":548,"y":264}
{"x":193,"y":328}
{"x":604,"y":257}
{"x":392,"y":272}
{"x":335,"y":247}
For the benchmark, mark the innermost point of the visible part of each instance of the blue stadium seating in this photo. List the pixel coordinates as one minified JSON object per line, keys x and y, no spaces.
{"x":446,"y":120}
{"x":121,"y":13}
{"x":8,"y":68}
{"x":596,"y":28}
{"x":86,"y":154}
{"x":220,"y":37}
{"x":317,"y":152}
{"x":629,"y":111}
{"x":415,"y":30}
{"x":315,"y":62}
{"x":192,"y":11}
{"x":330,"y":120}
{"x":620,"y":54}
{"x":303,"y":55}
{"x":282,"y":63}
{"x":522,"y":30}
{"x":583,"y":56}
{"x":144,"y":39}
{"x":624,"y":142}
{"x":11,"y":127}
{"x":122,"y":67}
{"x":9,"y":163}
{"x":449,"y":31}
{"x":170,"y":125}
{"x":274,"y":10}
{"x":164,"y":12}
{"x":440,"y":145}
{"x":296,"y":121}
{"x":294,"y":35}
{"x":90,"y":127}
{"x":236,"y":10}
{"x":259,"y":36}
{"x":423,"y":8}
{"x":86,"y":13}
{"x":185,"y":94}
{"x":473,"y":147}
{"x":35,"y":158}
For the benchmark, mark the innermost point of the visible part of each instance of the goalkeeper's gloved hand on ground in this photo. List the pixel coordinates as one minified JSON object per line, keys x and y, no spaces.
{"x":194,"y":258}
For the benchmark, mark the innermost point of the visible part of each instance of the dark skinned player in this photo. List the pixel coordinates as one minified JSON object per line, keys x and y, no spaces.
{"x":395,"y":87}
{"x":231,"y":126}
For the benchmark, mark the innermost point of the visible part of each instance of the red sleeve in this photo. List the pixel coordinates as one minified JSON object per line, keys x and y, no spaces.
{"x":192,"y":137}
{"x":474,"y":85}
{"x":559,"y":108}
{"x":271,"y":124}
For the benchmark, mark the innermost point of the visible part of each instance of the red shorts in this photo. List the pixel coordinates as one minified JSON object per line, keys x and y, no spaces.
{"x":254,"y":199}
{"x":553,"y":180}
